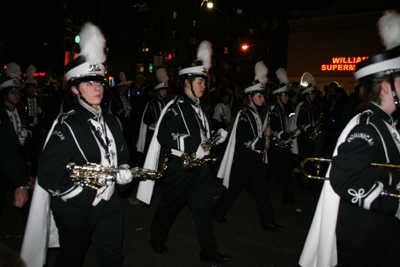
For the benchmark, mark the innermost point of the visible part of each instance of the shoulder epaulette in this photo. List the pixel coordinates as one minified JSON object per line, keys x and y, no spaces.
{"x":366,"y":116}
{"x":64,"y":116}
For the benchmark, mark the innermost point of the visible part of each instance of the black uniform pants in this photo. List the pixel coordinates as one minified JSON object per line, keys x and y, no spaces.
{"x":242,"y":172}
{"x":367,"y":238}
{"x":280,"y":161}
{"x":77,"y":228}
{"x":179,"y":188}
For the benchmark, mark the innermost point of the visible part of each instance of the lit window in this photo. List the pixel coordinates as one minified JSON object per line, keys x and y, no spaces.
{"x":140,"y":67}
{"x":194,"y":23}
{"x":175,"y":15}
{"x":239,"y":11}
{"x":193,"y":39}
{"x":226,"y":51}
{"x":173,"y":34}
{"x":145,"y":48}
{"x":251,"y":31}
{"x":238,"y":69}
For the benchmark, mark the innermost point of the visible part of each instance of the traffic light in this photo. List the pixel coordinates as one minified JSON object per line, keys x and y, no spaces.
{"x":150,"y":67}
{"x":245,"y":47}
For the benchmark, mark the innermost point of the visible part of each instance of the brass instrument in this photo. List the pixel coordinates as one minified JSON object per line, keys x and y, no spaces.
{"x":313,"y":136}
{"x":390,"y":166}
{"x":95,"y":176}
{"x":280,"y":144}
{"x":228,"y":125}
{"x":190,"y":161}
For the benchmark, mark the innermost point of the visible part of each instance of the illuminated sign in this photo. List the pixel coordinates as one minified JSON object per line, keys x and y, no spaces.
{"x":342,"y":64}
{"x":38,"y":74}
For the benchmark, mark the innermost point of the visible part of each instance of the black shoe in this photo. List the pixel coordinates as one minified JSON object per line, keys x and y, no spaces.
{"x":219,"y":259}
{"x":160,"y":249}
{"x":219,"y":218}
{"x":273,"y":227}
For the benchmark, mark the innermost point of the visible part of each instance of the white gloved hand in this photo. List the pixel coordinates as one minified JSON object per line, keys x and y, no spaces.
{"x":200,"y":153}
{"x":99,"y":195}
{"x":124,"y":176}
{"x":24,"y":133}
{"x":224,"y":135}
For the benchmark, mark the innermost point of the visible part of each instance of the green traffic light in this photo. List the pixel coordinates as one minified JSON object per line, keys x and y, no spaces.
{"x":150,"y":67}
{"x":77,"y":39}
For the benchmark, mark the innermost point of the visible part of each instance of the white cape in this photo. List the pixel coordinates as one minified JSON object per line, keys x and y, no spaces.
{"x":145,"y":189}
{"x":40,"y":231}
{"x":142,"y":133}
{"x":320,"y":246}
{"x":224,"y":171}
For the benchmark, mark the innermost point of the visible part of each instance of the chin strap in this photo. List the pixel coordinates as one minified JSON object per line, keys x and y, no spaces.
{"x":394,"y":93}
{"x":81,"y":96}
{"x":191,"y":85}
{"x":257,"y":106}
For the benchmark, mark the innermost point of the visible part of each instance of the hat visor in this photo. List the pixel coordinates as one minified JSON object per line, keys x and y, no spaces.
{"x":96,"y":78}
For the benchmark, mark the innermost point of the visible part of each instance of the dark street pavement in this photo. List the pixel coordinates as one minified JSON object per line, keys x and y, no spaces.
{"x":241,"y":238}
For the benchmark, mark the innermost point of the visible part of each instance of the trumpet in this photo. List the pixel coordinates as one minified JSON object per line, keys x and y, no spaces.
{"x":190,"y":161}
{"x":390,"y":166}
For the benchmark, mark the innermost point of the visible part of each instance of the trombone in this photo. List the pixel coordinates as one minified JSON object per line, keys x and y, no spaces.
{"x":389,"y":166}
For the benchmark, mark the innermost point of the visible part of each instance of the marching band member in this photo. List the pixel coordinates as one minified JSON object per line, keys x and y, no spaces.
{"x":12,"y":138}
{"x":152,"y":112}
{"x":34,"y":112}
{"x":120,"y":106}
{"x":86,"y":134}
{"x":183,"y":126}
{"x":307,"y":116}
{"x":280,"y":153}
{"x":246,"y":146}
{"x":356,"y":223}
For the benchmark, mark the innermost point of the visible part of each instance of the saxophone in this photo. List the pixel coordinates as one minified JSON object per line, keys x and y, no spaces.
{"x":95,"y":176}
{"x":280,"y":144}
{"x":190,"y":161}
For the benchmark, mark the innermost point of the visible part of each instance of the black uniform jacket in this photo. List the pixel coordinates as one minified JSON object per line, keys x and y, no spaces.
{"x":249,"y":142}
{"x":180,"y":126}
{"x":279,"y":123}
{"x":116,"y":106}
{"x":25,"y":103}
{"x":353,"y":178}
{"x":152,"y":112}
{"x":11,"y":161}
{"x":72,"y":141}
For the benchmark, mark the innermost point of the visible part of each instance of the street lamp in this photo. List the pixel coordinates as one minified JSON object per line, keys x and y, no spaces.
{"x":245,"y":47}
{"x":209,"y":4}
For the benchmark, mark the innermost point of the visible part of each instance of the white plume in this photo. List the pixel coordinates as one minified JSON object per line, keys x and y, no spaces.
{"x":92,"y":43}
{"x":389,"y":29}
{"x":162,"y":75}
{"x":307,"y":80}
{"x":13,"y":70}
{"x":282,"y":76}
{"x":261,"y":72}
{"x":30,"y":72}
{"x":204,"y":53}
{"x":122,"y":77}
